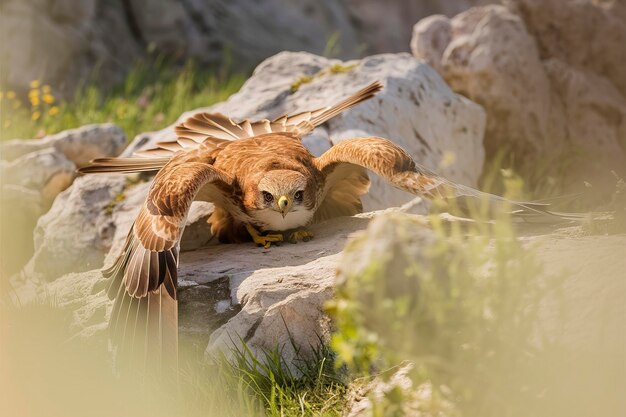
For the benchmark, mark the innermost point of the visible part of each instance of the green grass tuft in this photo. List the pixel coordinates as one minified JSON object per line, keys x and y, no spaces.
{"x":152,"y":96}
{"x":311,"y":387}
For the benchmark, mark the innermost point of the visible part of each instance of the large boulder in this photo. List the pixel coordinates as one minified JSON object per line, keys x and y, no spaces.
{"x":440,"y":129}
{"x":549,"y":77}
{"x":35,"y":171}
{"x":79,"y":145}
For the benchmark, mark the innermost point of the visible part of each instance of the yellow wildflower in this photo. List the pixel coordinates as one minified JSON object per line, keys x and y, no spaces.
{"x":48,"y":98}
{"x":36,"y":115}
{"x":11,"y":95}
{"x":34,"y":84}
{"x":46,"y":89}
{"x":54,"y":110}
{"x":35,"y":101}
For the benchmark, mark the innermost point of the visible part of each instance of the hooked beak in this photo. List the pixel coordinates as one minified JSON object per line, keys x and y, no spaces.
{"x":284,"y":205}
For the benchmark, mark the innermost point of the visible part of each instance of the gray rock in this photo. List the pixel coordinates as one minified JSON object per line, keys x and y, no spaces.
{"x":46,"y":167}
{"x":557,"y":101}
{"x":46,"y":171}
{"x":77,"y":231}
{"x":79,"y":145}
{"x":197,"y":229}
{"x":416,"y":400}
{"x":417,"y":110}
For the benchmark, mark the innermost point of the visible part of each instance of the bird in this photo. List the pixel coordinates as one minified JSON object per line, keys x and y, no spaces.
{"x":266,"y":187}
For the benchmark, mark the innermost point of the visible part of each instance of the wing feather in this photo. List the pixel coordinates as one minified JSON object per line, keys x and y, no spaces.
{"x":395,"y":165}
{"x":143,"y":279}
{"x":200,"y":127}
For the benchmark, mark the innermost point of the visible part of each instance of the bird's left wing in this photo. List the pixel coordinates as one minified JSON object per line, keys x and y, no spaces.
{"x":143,"y":280}
{"x":217,"y":129}
{"x":395,"y":165}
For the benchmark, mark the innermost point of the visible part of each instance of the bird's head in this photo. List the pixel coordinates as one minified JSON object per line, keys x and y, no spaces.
{"x":283,"y":191}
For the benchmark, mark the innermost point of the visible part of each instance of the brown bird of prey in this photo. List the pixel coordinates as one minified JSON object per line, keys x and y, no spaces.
{"x":266,"y":187}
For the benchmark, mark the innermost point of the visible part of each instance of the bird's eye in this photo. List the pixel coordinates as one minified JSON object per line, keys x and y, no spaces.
{"x":298,"y":196}
{"x":268,"y":197}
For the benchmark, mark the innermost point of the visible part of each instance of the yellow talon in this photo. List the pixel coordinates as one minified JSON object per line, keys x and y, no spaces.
{"x":303,"y":235}
{"x":265,"y":241}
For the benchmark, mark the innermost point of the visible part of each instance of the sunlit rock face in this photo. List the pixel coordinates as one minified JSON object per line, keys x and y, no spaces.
{"x":549,"y":76}
{"x":35,"y":171}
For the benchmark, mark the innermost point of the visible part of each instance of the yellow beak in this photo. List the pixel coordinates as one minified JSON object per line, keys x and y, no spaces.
{"x":284,"y":205}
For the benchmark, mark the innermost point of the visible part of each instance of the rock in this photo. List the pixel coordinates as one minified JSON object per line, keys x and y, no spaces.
{"x":197,"y":229}
{"x":45,"y":167}
{"x":493,"y":60}
{"x":76,"y":232}
{"x":386,"y":26}
{"x":431,"y":37}
{"x":19,"y":209}
{"x":586,"y":34}
{"x":556,"y":101}
{"x":79,"y":145}
{"x":282,"y":291}
{"x":415,"y":400}
{"x":64,"y":36}
{"x":440,"y":129}
{"x":47,"y":171}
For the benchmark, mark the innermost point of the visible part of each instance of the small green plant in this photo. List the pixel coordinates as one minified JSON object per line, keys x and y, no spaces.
{"x":333,"y":69}
{"x":304,"y":79}
{"x":311,"y":386}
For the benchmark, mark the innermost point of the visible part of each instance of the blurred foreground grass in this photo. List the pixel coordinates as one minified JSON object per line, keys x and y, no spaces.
{"x":467,"y":305}
{"x":45,"y":370}
{"x":152,"y":96}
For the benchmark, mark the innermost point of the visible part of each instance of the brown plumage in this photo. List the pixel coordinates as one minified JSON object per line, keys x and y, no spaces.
{"x":256,"y":174}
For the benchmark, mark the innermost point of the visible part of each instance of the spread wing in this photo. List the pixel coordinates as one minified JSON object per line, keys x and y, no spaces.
{"x":217,"y":128}
{"x":395,"y":165}
{"x":144,"y":321}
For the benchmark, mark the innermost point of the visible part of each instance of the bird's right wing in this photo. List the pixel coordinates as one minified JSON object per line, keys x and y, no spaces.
{"x":396,"y":166}
{"x":143,"y":279}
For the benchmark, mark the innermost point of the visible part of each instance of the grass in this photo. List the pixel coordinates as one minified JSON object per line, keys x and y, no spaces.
{"x":152,"y":96}
{"x":310,"y":387}
{"x":40,"y":354}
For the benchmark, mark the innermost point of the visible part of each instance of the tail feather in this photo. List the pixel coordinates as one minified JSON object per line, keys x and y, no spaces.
{"x":144,"y":330}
